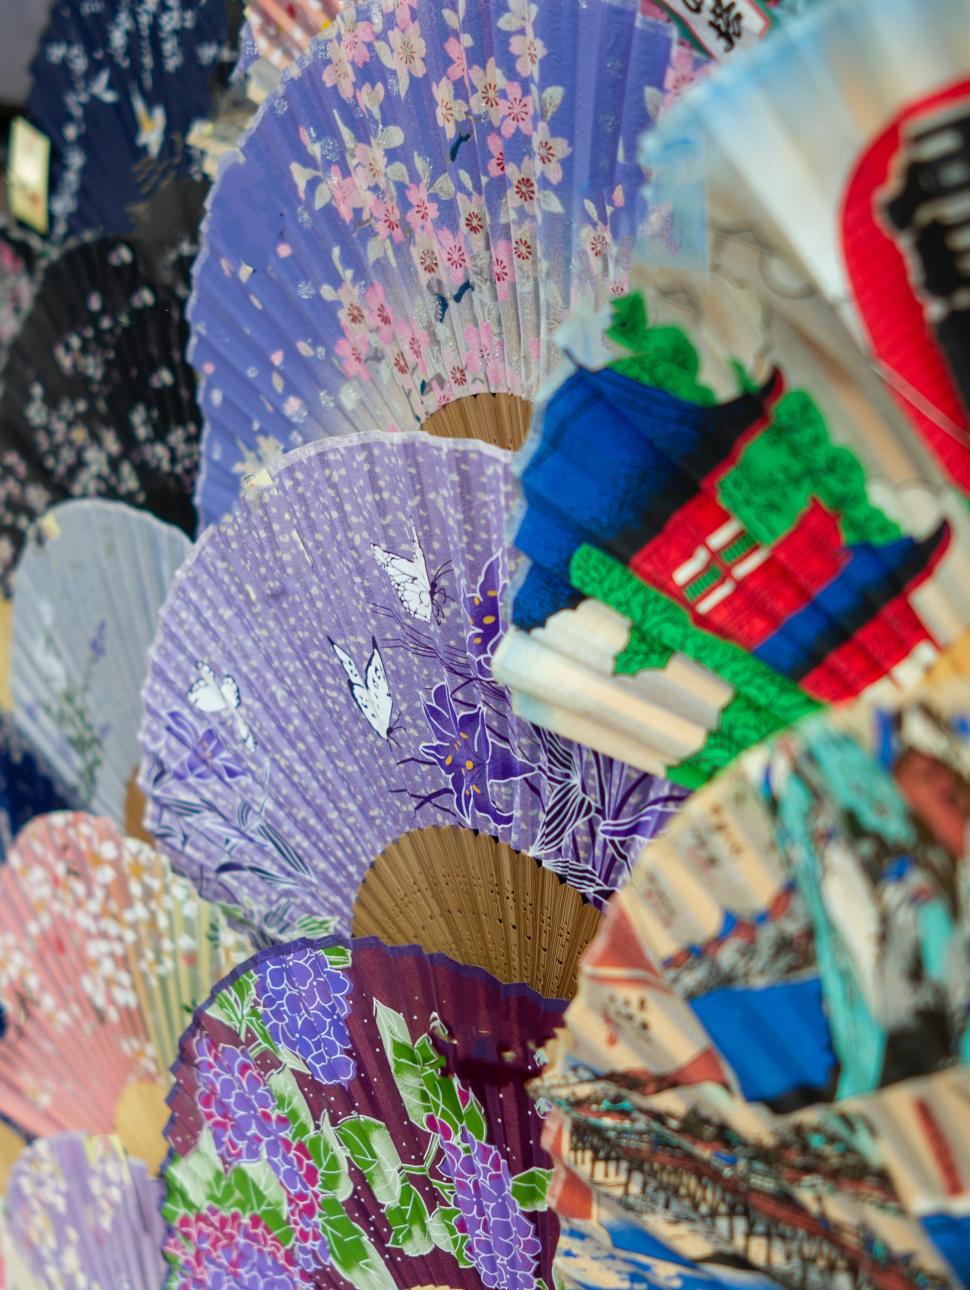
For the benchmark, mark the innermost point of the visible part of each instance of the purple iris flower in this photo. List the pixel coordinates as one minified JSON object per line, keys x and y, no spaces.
{"x":482,"y":607}
{"x":207,"y":756}
{"x":470,"y":757}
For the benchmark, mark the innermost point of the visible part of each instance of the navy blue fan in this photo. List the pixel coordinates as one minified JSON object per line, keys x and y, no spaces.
{"x":28,"y":785}
{"x":117,"y":85}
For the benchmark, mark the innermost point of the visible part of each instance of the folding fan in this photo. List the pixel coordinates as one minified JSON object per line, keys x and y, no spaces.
{"x":97,"y":399}
{"x":766,"y":1061}
{"x":89,"y":586}
{"x":867,"y":191}
{"x":351,"y":1112}
{"x":81,"y":1215}
{"x":28,"y":785}
{"x":21,"y":256}
{"x":320,"y":714}
{"x":283,"y":29}
{"x":102,"y":949}
{"x":412,"y":213}
{"x":716,"y":499}
{"x":116,"y":86}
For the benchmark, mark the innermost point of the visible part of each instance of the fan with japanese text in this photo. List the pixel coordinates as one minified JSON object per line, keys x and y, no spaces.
{"x":89,"y":586}
{"x":412,"y":213}
{"x":80,"y":1213}
{"x":725,"y":517}
{"x":102,"y":949}
{"x":765,"y":1066}
{"x":323,"y":738}
{"x":867,"y":192}
{"x":116,"y":87}
{"x":97,"y":398}
{"x":351,"y":1114}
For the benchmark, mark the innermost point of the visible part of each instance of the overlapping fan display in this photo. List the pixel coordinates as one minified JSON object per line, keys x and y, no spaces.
{"x":116,"y":86}
{"x":723,"y":497}
{"x":356,"y":1114}
{"x":81,"y":1213}
{"x":320,"y":689}
{"x":103,"y":948}
{"x":88,"y":590}
{"x":412,"y":214}
{"x":780,"y":994}
{"x":540,"y":861}
{"x":97,"y":399}
{"x":868,"y":195}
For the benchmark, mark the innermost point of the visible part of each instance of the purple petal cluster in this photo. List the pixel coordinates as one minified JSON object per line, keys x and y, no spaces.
{"x":482,"y":607}
{"x":470,"y":757}
{"x":235,"y":1102}
{"x":218,"y":1251}
{"x":207,"y":757}
{"x":502,"y":1243}
{"x":305,"y":1003}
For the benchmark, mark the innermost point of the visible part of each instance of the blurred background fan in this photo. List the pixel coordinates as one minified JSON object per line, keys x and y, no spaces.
{"x":103,"y":949}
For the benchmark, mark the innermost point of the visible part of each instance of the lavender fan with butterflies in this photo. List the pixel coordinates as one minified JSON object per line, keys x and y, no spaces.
{"x":320,"y":709}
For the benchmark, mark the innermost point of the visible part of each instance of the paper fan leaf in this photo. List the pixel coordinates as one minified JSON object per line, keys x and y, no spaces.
{"x":784,"y":972}
{"x":407,"y":1202}
{"x":102,"y":946}
{"x":88,"y":589}
{"x":393,"y":722}
{"x":369,"y":1145}
{"x":79,"y":1212}
{"x":457,"y":163}
{"x":115,"y":88}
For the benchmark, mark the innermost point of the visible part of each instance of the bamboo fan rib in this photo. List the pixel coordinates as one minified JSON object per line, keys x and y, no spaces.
{"x":472,"y":897}
{"x":499,"y":419}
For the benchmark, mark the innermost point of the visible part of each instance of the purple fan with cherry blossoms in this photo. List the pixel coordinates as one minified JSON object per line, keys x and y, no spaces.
{"x":81,"y":1213}
{"x":416,"y":209}
{"x":352,"y":1114}
{"x":320,"y":687}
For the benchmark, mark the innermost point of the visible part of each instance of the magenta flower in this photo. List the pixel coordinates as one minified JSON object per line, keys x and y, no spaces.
{"x":387,"y":218}
{"x":379,"y":316}
{"x":455,"y":253}
{"x":496,"y":147}
{"x":423,"y":209}
{"x":516,"y":108}
{"x":353,"y":355}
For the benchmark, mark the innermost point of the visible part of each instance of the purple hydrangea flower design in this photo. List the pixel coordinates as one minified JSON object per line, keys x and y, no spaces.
{"x":470,"y":757}
{"x":236,"y":1104}
{"x":502,"y":1243}
{"x":207,"y":756}
{"x":304,"y":1002}
{"x":218,"y":1251}
{"x":482,"y":607}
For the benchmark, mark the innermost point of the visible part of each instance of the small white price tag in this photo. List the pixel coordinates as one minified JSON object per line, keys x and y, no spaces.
{"x":28,"y":174}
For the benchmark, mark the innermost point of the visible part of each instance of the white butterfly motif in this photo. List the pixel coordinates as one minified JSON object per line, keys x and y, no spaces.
{"x":211,"y":695}
{"x":151,"y":125}
{"x":420,"y":595}
{"x":373,"y":695}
